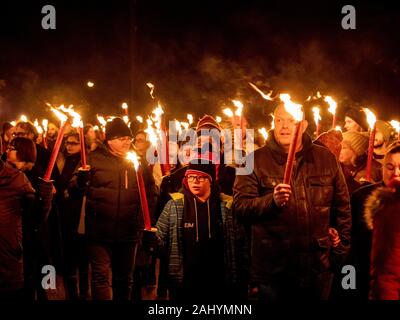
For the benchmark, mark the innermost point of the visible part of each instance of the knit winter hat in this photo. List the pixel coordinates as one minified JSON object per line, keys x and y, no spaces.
{"x":117,"y":128}
{"x":384,"y":128}
{"x":358,"y":141}
{"x":201,"y":167}
{"x":207,"y":122}
{"x":358,"y":116}
{"x":332,"y":140}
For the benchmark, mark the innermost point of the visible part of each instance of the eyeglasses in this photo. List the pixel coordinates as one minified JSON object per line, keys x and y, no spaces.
{"x":20,"y":134}
{"x":68,"y":143}
{"x":125,"y":139}
{"x":391,"y":167}
{"x":197,"y":178}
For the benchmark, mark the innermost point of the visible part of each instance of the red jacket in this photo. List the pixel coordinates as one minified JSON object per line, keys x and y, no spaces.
{"x":382,"y":213}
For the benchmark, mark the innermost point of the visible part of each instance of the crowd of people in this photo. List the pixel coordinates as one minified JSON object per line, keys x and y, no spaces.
{"x":217,"y":235}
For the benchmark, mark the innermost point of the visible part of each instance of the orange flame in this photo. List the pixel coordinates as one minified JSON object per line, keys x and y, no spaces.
{"x":332,"y":104}
{"x":131,"y":156}
{"x":317,"y":117}
{"x":264,"y":133}
{"x":293,"y":108}
{"x":265,"y":96}
{"x":371,"y":118}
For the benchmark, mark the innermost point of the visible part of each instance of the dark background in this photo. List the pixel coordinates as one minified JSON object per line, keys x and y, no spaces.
{"x":199,"y":55}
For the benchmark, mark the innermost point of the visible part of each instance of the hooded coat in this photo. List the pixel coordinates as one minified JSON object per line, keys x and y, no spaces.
{"x":382,"y":214}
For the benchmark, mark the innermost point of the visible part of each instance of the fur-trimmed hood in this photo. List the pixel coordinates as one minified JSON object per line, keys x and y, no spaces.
{"x":383,"y":200}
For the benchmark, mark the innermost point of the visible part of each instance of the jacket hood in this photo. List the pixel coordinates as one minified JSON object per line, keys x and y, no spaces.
{"x":381,"y":201}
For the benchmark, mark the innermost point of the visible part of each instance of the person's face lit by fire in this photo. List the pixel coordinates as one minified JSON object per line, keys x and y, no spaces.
{"x":391,"y":168}
{"x":199,"y":185}
{"x":90,"y":136}
{"x":52,"y":130}
{"x":285,"y":126}
{"x":351,"y":125}
{"x":379,"y":139}
{"x":347,"y":155}
{"x":21,"y":132}
{"x":121,"y":145}
{"x":72,"y":145}
{"x":141,"y":144}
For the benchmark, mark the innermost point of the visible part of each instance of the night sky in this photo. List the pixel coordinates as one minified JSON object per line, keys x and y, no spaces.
{"x":198,"y":54}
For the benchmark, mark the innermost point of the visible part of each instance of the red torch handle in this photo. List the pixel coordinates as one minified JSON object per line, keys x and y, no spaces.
{"x":334,"y":121}
{"x":83,"y":147}
{"x":291,"y":154}
{"x":165,"y":165}
{"x":317,"y":130}
{"x":45,"y":140}
{"x":54,"y":153}
{"x":370,"y":153}
{"x":143,"y":199}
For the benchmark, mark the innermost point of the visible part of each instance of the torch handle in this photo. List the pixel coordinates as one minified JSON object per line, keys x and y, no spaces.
{"x":54,"y":153}
{"x":370,"y":153}
{"x":143,"y":199}
{"x":292,"y":151}
{"x":83,"y":147}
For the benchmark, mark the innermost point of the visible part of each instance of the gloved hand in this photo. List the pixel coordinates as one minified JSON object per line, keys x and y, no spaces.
{"x":44,"y":189}
{"x":150,"y":240}
{"x":84,"y":176}
{"x":44,"y":192}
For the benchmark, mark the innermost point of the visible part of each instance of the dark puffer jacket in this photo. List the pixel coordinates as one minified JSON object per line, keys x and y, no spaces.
{"x":294,"y":239}
{"x":113,"y":211}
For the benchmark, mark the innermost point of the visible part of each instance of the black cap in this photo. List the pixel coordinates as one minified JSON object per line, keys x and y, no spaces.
{"x":117,"y":128}
{"x":358,"y":116}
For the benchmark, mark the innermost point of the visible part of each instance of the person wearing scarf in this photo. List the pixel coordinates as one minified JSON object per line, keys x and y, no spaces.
{"x":196,"y":230}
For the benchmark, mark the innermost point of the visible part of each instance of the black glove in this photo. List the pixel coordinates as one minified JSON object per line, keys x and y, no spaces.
{"x":44,"y":192}
{"x":149,"y":241}
{"x":44,"y":189}
{"x":83,"y":177}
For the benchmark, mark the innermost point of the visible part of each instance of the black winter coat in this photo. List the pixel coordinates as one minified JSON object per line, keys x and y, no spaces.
{"x":294,"y":240}
{"x":113,"y":210}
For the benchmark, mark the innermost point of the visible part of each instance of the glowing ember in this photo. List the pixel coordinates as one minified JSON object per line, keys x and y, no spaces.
{"x":218,"y":119}
{"x":185,"y":125}
{"x":265,"y":96}
{"x":124,"y":106}
{"x":90,"y":84}
{"x":264,"y":133}
{"x":126,"y":119}
{"x":139,"y":119}
{"x":239,"y":105}
{"x":338,"y":128}
{"x":228,"y":112}
{"x":151,"y":86}
{"x":23,"y":118}
{"x":101,"y":120}
{"x":273,"y":121}
{"x":13,"y":123}
{"x":190,"y":118}
{"x":45,"y":123}
{"x":395,"y":124}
